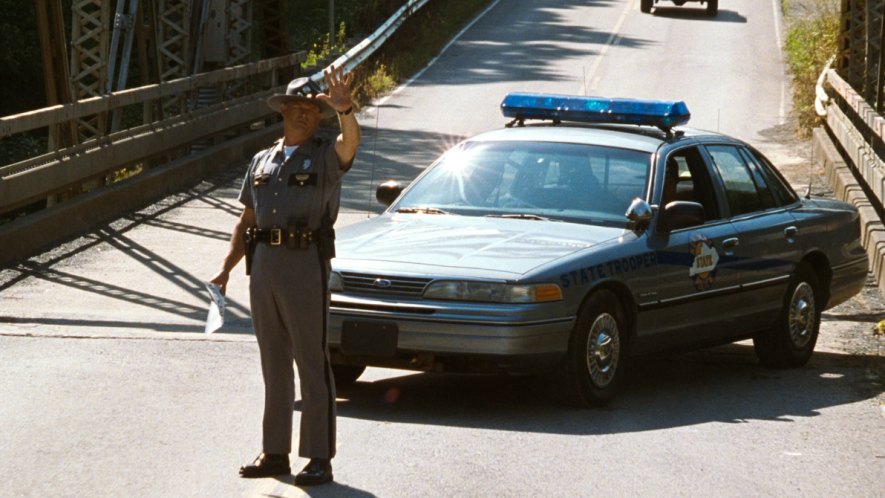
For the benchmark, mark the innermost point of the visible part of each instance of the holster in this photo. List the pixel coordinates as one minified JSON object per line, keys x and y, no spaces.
{"x":326,"y":240}
{"x":250,"y":241}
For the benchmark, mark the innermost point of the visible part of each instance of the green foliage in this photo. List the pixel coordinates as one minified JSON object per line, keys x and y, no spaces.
{"x":309,"y":19}
{"x":324,"y":48}
{"x":810,"y":42}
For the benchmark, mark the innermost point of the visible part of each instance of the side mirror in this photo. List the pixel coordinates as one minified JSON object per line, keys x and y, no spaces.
{"x":639,"y":213}
{"x":388,"y":191}
{"x":682,"y":214}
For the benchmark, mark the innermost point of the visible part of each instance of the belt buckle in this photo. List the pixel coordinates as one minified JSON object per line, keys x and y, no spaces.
{"x":276,"y":236}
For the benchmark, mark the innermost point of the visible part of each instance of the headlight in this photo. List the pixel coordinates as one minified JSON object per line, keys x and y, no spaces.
{"x":336,"y":283}
{"x":492,"y":292}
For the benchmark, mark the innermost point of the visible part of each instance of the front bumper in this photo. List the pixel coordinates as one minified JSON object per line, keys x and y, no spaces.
{"x":455,"y":336}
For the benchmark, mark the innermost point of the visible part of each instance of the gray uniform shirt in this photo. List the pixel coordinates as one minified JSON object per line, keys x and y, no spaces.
{"x":297,"y":189}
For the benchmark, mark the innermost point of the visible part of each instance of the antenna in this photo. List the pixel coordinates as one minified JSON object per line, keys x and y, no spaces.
{"x":810,"y":173}
{"x":374,"y":160}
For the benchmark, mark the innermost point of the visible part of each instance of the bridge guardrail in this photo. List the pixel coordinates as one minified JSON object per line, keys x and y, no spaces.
{"x":854,"y":130}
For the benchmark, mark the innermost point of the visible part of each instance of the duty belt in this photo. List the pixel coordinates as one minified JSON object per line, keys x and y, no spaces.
{"x":293,"y":238}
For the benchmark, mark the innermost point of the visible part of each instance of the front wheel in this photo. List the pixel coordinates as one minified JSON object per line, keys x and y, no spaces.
{"x":595,"y":363}
{"x":791,"y":342}
{"x":645,"y":6}
{"x":712,"y":7}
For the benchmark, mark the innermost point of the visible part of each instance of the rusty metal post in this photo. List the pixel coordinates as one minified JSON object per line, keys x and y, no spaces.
{"x":56,"y":74}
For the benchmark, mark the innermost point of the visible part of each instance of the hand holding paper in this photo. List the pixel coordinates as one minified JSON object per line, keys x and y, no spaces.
{"x":215,"y":318}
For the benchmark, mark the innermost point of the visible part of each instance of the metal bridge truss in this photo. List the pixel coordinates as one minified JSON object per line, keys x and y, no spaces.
{"x":861,"y":59}
{"x":89,"y":48}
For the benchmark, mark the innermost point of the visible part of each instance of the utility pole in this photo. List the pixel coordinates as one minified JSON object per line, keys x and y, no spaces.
{"x":331,"y":22}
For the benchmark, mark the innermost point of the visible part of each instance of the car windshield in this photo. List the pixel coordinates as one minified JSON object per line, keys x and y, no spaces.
{"x":533,"y":181}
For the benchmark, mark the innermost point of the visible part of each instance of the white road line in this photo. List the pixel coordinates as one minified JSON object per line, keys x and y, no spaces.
{"x":612,"y":39}
{"x":778,"y":23}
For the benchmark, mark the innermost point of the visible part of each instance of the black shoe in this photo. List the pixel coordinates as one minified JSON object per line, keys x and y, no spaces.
{"x":317,"y":471}
{"x":266,"y":465}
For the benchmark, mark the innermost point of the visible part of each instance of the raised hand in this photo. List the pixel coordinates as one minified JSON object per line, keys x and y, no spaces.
{"x":338,"y":95}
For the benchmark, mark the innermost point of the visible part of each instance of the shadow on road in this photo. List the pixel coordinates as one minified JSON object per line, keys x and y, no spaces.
{"x":387,"y":154}
{"x":723,"y":385}
{"x":698,"y":14}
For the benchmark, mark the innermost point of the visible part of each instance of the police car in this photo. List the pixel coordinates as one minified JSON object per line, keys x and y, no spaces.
{"x":712,"y":5}
{"x":584,"y":234}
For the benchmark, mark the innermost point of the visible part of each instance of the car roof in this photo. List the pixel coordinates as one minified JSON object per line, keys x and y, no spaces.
{"x":641,"y":138}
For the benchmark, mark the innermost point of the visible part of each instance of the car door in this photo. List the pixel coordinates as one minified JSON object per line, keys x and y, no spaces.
{"x":692,"y":298}
{"x":766,"y":249}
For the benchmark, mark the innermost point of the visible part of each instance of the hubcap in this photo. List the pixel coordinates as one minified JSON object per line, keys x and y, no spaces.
{"x":603,"y":350}
{"x":802,"y":315}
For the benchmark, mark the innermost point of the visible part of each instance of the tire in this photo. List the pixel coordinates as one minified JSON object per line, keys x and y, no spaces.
{"x":791,"y":342}
{"x":712,"y":7}
{"x":346,"y":375}
{"x":645,"y":6}
{"x":593,"y":370}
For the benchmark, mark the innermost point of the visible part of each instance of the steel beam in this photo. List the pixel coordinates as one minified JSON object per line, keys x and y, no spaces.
{"x":56,"y":74}
{"x":89,"y":58}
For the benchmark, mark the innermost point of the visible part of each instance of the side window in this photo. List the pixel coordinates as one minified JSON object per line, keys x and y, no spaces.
{"x":686,"y":179}
{"x":741,"y":189}
{"x":779,"y":188}
{"x":766,"y":197}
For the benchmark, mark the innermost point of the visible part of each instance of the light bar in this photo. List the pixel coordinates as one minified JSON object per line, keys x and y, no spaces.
{"x":661,"y":113}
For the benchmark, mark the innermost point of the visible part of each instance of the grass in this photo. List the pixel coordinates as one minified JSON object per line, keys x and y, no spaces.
{"x":812,"y":38}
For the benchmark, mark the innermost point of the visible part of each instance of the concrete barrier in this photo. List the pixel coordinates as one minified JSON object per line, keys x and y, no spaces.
{"x":847,"y":188}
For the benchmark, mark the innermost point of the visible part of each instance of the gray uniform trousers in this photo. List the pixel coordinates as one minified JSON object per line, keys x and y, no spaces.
{"x":289,"y":303}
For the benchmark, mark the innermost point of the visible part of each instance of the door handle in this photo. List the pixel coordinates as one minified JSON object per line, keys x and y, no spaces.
{"x":790,"y":231}
{"x":732,"y":242}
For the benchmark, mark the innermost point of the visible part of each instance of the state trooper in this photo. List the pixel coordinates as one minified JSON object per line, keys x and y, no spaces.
{"x":290,"y":197}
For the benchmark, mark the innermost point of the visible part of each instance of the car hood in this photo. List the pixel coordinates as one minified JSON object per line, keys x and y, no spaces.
{"x":473,"y":246}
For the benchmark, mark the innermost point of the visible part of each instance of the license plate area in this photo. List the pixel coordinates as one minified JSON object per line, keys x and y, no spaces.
{"x":369,"y":338}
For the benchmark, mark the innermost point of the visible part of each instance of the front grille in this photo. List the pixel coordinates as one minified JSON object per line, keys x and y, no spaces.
{"x":382,"y":284}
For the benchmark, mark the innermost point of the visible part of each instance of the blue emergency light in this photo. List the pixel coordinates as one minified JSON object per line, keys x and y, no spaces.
{"x":664,"y":114}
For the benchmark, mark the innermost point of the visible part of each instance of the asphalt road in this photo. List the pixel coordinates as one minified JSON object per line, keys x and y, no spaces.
{"x":109,"y":387}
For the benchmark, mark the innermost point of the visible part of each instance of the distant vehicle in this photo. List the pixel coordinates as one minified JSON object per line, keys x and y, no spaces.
{"x":575,"y":246}
{"x":712,"y":5}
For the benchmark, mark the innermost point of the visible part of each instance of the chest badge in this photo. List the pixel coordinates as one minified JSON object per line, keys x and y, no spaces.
{"x":306,"y":164}
{"x":302,"y":179}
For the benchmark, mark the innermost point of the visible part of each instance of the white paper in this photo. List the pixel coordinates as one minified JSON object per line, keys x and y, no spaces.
{"x":215,"y":318}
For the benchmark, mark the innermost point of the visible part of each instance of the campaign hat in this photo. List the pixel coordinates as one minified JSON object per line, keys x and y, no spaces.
{"x":301,"y":90}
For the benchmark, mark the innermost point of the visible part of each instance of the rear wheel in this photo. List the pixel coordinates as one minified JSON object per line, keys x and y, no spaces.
{"x":645,"y":5}
{"x":712,"y":7}
{"x":594,"y":367}
{"x":791,"y":342}
{"x":346,"y":375}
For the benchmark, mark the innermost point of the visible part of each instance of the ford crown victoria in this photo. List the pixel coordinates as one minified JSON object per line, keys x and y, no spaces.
{"x":584,"y":234}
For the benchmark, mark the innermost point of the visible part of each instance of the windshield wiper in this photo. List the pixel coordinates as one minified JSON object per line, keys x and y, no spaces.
{"x":421,"y":210}
{"x":520,"y":216}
